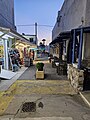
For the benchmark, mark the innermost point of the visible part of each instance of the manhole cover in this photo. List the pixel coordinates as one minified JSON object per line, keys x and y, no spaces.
{"x":29,"y":107}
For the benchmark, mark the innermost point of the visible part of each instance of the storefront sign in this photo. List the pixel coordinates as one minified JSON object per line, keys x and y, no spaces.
{"x":1,"y":51}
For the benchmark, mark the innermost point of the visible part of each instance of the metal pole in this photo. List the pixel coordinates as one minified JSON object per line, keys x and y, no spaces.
{"x":36,"y":34}
{"x":60,"y":51}
{"x":73,"y":52}
{"x":80,"y":48}
{"x":5,"y":54}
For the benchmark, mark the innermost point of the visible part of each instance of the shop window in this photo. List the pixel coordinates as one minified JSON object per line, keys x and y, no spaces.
{"x":31,"y":39}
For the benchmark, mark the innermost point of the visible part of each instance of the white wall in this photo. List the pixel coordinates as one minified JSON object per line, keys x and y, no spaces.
{"x":72,"y":12}
{"x":87,"y":16}
{"x":87,"y":46}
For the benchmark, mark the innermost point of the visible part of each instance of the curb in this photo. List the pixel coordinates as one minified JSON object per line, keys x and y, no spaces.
{"x":85,"y":100}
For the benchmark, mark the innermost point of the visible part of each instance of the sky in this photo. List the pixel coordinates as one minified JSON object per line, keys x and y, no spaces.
{"x":43,"y":12}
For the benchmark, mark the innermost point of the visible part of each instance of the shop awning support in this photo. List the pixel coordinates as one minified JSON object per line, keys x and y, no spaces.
{"x":80,"y":48}
{"x":6,"y":66}
{"x":73,"y":52}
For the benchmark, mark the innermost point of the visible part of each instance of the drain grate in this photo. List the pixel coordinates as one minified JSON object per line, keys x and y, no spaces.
{"x":29,"y":107}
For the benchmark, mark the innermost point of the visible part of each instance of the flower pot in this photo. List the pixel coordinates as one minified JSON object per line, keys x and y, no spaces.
{"x":40,"y":69}
{"x":39,"y":75}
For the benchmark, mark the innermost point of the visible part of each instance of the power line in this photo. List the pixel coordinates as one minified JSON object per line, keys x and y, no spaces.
{"x":46,"y":25}
{"x":27,"y":25}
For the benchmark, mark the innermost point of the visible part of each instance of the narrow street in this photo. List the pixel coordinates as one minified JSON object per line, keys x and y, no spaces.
{"x":50,"y":73}
{"x":44,"y":59}
{"x":49,"y":99}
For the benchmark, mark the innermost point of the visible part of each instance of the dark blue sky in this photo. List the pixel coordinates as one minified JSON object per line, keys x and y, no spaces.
{"x":44,"y":12}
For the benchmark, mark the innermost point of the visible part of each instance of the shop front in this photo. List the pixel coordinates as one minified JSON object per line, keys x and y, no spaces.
{"x":77,"y":57}
{"x":13,"y":46}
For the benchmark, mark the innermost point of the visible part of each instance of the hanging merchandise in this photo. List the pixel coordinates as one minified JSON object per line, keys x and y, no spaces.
{"x":15,"y":59}
{"x":1,"y":51}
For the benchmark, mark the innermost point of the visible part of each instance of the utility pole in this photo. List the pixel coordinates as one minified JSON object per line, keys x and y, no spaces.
{"x":36,"y":33}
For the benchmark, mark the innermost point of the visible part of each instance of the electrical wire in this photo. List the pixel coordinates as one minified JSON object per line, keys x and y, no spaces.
{"x":33,"y":25}
{"x":26,"y":25}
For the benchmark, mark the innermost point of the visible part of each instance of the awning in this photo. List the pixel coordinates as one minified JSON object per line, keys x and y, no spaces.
{"x":85,"y":30}
{"x":61,"y":37}
{"x":67,"y":34}
{"x":34,"y":49}
{"x":6,"y":32}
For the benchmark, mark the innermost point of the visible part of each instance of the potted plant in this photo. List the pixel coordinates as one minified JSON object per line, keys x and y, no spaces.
{"x":40,"y":71}
{"x":40,"y":66}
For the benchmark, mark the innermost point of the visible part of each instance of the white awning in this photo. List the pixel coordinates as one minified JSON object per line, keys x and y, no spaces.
{"x":6,"y":33}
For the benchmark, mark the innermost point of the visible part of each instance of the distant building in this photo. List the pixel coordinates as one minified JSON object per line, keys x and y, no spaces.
{"x":31,"y":38}
{"x":7,"y":14}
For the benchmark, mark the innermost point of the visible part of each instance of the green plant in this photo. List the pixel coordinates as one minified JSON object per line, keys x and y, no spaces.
{"x":40,"y":66}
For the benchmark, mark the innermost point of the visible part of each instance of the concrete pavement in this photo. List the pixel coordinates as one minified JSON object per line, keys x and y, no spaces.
{"x":50,"y":73}
{"x":58,"y":106}
{"x":49,"y":92}
{"x":42,"y":118}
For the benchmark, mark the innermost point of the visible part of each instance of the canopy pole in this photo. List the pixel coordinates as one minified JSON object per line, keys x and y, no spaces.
{"x":6,"y":66}
{"x":73,"y":50}
{"x":80,"y":49}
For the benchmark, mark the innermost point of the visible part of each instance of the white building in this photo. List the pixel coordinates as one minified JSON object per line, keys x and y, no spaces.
{"x":72,"y":30}
{"x":9,"y":37}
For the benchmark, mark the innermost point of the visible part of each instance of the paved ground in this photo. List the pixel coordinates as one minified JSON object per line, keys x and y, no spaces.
{"x":53,"y":100}
{"x":50,"y":73}
{"x":42,"y":118}
{"x":53,"y":105}
{"x":29,"y":74}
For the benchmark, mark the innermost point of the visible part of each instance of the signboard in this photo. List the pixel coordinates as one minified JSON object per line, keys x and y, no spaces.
{"x":1,"y":51}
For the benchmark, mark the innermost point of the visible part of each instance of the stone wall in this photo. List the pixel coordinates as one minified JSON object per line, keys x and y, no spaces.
{"x":76,"y":77}
{"x":7,"y":14}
